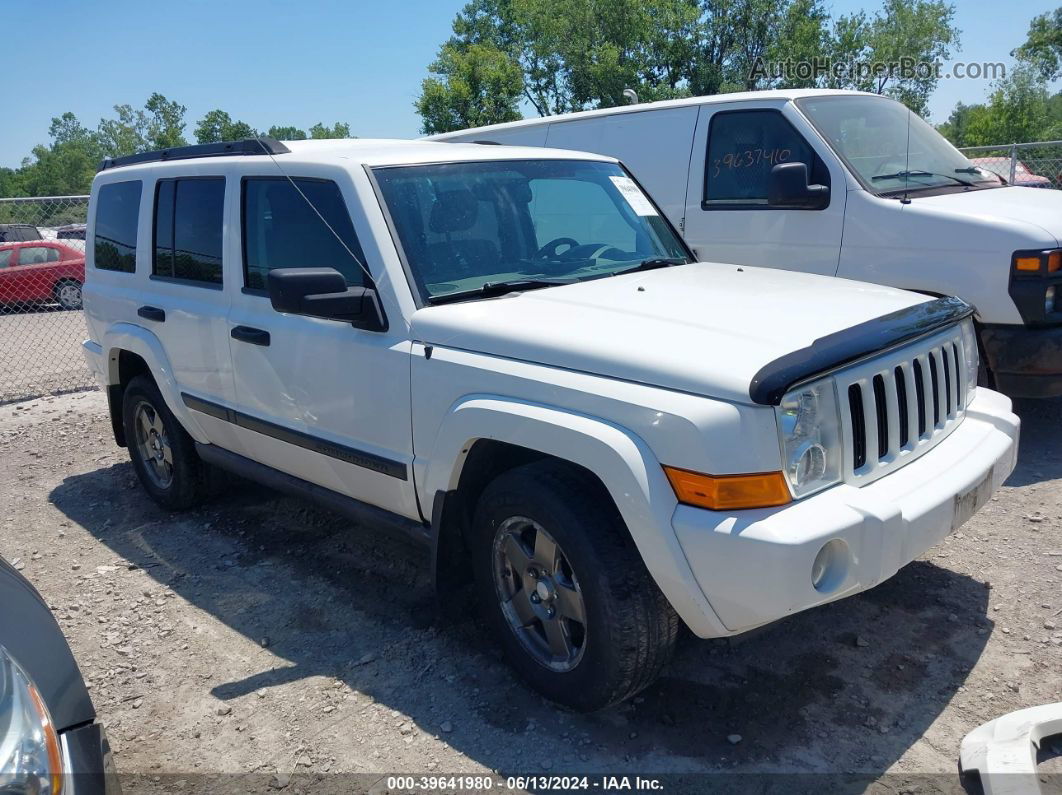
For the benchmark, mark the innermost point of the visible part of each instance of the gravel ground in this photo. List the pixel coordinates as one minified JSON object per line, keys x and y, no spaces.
{"x":261,"y":636}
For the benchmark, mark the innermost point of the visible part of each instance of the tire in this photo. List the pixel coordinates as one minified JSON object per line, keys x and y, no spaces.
{"x":68,"y":294}
{"x":628,"y":630}
{"x":162,"y":452}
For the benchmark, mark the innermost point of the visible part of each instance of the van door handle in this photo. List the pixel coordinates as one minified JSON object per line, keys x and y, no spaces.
{"x":152,"y":313}
{"x":255,"y":336}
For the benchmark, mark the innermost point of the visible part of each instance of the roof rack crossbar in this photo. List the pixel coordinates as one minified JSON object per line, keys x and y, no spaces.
{"x":249,"y":146}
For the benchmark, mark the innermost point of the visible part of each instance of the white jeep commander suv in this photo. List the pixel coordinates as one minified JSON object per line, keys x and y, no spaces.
{"x":509,"y":355}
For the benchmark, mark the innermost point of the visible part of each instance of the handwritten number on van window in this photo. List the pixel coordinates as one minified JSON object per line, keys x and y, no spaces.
{"x":751,"y":157}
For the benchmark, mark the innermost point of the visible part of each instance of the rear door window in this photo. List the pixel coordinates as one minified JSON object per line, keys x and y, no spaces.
{"x":189,"y":220}
{"x":5,"y":257}
{"x":117,"y":215}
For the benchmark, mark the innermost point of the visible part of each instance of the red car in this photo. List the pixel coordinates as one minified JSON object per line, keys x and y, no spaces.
{"x":39,"y":271}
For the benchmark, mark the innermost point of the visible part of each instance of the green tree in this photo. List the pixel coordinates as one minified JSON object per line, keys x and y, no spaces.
{"x":1043,"y":47}
{"x":1017,"y":111}
{"x":286,"y":133}
{"x":895,"y":51}
{"x":338,"y":130}
{"x":159,"y":125}
{"x":476,"y":84}
{"x":217,"y":125}
{"x":577,"y":54}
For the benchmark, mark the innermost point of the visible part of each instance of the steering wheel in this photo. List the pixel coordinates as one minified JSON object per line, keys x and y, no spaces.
{"x":549,"y":251}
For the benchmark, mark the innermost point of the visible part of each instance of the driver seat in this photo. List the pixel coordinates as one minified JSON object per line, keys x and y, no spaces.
{"x":457,"y":211}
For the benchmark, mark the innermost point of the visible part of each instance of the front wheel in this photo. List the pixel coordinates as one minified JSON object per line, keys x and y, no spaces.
{"x":68,"y":294}
{"x":565,"y":590}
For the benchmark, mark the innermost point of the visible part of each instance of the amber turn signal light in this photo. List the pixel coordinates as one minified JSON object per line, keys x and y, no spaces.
{"x":1054,"y":262}
{"x":1027,"y":264}
{"x":729,"y":492}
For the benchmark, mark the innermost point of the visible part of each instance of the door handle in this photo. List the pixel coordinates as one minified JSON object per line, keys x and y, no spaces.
{"x":152,"y":313}
{"x":255,"y":336}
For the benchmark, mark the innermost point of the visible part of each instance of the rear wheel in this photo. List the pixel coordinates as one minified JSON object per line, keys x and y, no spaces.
{"x":68,"y":294}
{"x":565,"y":590}
{"x":162,"y":452}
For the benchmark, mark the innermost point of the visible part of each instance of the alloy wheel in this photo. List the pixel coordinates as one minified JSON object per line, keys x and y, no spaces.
{"x":153,"y":444}
{"x":539,"y":594}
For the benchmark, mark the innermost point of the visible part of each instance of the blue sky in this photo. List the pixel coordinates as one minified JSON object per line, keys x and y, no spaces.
{"x":297,"y":63}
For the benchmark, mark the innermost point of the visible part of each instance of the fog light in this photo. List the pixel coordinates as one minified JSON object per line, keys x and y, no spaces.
{"x":830,"y":567}
{"x":1049,"y":301}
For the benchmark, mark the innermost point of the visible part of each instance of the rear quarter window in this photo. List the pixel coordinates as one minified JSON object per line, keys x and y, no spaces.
{"x":117,"y":215}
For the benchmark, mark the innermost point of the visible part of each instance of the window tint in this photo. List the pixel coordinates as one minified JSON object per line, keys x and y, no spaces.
{"x":37,"y":255}
{"x":281,"y":230}
{"x":117,"y":212}
{"x":189,"y":214}
{"x":743,"y":147}
{"x":5,"y":257}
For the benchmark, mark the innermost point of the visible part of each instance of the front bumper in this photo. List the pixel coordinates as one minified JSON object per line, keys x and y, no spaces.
{"x":1026,"y":361}
{"x":755,"y":566}
{"x":87,"y":762}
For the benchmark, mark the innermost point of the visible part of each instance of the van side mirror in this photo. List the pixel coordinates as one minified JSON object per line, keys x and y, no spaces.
{"x":788,"y":188}
{"x":323,"y":292}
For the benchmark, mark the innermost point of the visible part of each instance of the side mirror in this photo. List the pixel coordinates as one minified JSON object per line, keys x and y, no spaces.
{"x":788,"y":188}
{"x":323,"y":292}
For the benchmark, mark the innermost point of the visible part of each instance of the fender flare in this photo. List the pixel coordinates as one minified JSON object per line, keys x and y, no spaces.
{"x":138,"y":340}
{"x":622,"y":460}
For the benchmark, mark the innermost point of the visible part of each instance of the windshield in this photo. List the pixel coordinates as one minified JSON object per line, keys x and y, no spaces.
{"x":466,"y":225}
{"x":889,"y":147}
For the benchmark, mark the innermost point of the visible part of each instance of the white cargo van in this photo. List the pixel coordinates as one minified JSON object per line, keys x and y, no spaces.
{"x":844,"y":184}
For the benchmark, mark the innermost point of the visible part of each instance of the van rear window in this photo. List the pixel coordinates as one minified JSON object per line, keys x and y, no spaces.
{"x":117,"y":214}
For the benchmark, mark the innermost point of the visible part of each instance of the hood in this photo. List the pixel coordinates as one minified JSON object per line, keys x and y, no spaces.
{"x":1034,"y":207}
{"x":704,"y":328}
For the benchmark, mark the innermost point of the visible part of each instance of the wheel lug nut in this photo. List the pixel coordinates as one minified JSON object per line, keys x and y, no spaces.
{"x":534,"y":598}
{"x":551,"y":612}
{"x":532,"y":573}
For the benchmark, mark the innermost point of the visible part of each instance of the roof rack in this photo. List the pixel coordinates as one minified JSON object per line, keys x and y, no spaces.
{"x":249,"y":146}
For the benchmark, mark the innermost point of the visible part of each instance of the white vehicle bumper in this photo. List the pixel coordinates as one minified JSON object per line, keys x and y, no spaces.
{"x":756,"y":566}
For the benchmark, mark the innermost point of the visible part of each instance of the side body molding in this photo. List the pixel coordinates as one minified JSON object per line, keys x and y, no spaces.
{"x":624,"y":463}
{"x":138,"y":340}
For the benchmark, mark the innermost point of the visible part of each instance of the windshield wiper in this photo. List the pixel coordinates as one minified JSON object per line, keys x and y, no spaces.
{"x":908,"y":174}
{"x":652,"y":264}
{"x":494,"y":289}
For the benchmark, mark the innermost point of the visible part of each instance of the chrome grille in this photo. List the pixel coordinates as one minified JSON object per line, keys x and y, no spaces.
{"x":897,"y":406}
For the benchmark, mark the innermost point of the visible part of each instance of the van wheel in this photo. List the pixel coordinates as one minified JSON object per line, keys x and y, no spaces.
{"x":162,"y":452}
{"x":68,"y":294}
{"x":565,"y":590}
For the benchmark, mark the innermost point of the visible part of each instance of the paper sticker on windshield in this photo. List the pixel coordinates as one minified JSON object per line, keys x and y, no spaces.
{"x":634,"y":196}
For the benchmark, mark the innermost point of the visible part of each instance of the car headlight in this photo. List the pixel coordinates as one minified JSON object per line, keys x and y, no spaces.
{"x":30,"y":760}
{"x":809,"y":424}
{"x":971,"y":360}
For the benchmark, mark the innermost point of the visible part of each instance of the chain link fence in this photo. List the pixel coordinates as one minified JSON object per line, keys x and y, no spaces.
{"x":42,"y":268}
{"x":1033,"y":165}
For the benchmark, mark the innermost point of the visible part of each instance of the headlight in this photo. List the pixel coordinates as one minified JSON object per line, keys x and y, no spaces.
{"x":971,"y":360}
{"x":809,"y":424}
{"x":30,"y":760}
